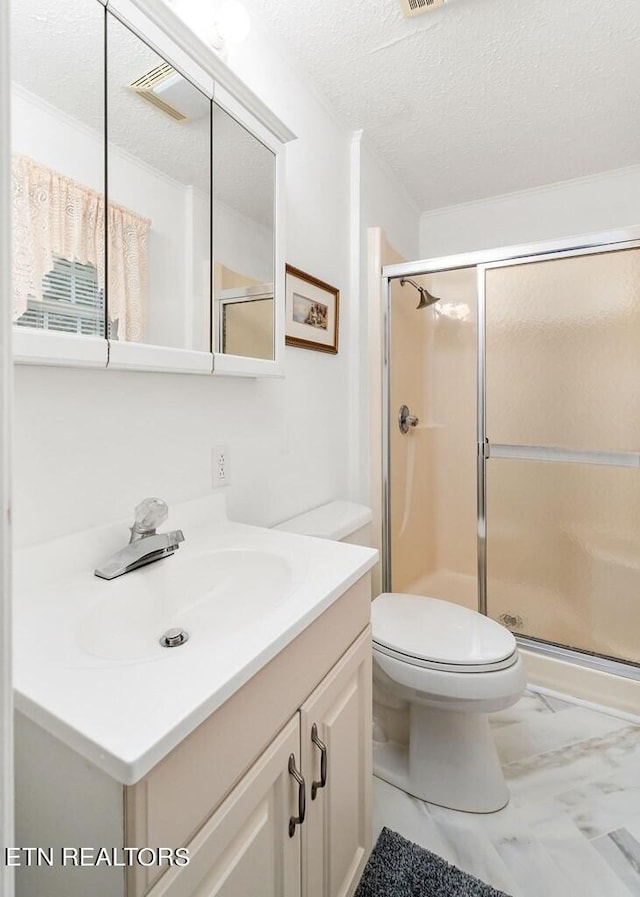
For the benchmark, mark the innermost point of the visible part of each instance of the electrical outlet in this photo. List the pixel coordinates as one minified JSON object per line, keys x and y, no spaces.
{"x":220,"y":466}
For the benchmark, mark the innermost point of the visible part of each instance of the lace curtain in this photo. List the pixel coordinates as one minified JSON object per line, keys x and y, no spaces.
{"x":53,"y":215}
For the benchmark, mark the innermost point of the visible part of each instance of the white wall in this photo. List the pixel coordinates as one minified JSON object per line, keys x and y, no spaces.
{"x":383,"y":203}
{"x":165,"y":202}
{"x":197,"y":250}
{"x":386,"y":203}
{"x":585,"y":205}
{"x":242,"y":244}
{"x":43,"y":133}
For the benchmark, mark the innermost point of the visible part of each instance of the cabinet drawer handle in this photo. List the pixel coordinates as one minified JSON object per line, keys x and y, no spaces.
{"x":302,"y":801}
{"x":316,"y":786}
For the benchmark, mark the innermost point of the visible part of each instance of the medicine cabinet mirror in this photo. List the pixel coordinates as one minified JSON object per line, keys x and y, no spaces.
{"x":159,"y":189}
{"x":57,"y":144}
{"x":121,"y":162}
{"x":244,"y":247}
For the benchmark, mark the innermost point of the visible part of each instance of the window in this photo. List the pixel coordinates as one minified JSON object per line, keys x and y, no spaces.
{"x":71,"y":301}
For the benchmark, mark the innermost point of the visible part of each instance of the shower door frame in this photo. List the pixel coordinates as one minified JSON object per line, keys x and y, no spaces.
{"x":482,"y":261}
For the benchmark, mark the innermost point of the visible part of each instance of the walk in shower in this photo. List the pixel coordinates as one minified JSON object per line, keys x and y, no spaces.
{"x":512,"y":477}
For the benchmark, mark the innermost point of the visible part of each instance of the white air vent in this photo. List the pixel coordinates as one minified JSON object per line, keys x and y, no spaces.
{"x":417,"y":7}
{"x":157,"y":86}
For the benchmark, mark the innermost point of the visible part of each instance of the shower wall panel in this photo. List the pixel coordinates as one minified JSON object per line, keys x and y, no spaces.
{"x":433,"y":467}
{"x":412,"y":469}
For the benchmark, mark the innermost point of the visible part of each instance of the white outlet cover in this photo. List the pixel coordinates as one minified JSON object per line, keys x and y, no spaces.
{"x":220,"y":466}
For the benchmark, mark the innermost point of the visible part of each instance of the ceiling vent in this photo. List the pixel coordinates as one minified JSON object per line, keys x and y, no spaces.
{"x":413,"y":8}
{"x":164,"y":88}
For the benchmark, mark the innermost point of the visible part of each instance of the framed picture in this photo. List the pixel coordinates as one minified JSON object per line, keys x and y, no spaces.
{"x":311,"y":312}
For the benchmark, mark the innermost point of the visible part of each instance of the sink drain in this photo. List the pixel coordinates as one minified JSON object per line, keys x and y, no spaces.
{"x":173,"y":638}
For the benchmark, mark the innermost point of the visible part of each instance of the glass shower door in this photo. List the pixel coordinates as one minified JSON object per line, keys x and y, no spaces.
{"x":562,"y":489}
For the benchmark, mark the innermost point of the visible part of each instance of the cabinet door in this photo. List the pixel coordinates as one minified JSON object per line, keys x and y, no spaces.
{"x":337,"y":833}
{"x":245,"y":848}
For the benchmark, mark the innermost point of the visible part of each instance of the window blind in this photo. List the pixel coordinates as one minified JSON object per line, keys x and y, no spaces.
{"x":71,"y":301}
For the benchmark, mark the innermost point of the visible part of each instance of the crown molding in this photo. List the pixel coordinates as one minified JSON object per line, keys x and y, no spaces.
{"x":534,"y":191}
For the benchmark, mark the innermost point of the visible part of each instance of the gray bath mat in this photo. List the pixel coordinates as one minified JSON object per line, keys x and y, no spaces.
{"x":398,"y":868}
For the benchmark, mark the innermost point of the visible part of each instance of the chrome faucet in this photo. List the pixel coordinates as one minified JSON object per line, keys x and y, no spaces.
{"x":145,"y":545}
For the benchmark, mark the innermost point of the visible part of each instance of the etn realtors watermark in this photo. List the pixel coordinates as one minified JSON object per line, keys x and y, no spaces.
{"x":96,"y":856}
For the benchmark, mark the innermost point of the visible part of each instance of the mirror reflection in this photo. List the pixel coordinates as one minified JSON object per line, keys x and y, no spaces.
{"x":57,"y":134}
{"x":159,"y":148}
{"x":244,"y":196}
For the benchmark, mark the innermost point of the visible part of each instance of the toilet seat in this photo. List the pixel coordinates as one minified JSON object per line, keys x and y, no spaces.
{"x":465,"y":668}
{"x":439,"y":635}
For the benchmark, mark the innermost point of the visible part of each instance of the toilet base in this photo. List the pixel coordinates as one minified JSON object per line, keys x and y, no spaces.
{"x":451,"y":761}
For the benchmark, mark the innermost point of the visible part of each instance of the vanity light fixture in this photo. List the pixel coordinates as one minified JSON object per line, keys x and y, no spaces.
{"x":231,"y":25}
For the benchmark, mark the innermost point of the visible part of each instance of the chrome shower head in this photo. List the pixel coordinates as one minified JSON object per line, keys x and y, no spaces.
{"x":426,"y":298}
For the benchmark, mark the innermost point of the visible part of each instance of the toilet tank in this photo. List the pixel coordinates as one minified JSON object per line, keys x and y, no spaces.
{"x":342,"y":521}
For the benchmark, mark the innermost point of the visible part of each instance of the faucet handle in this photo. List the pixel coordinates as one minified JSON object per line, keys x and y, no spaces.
{"x":150,"y":513}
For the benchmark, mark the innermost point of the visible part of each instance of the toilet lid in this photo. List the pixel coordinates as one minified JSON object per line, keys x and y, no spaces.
{"x":435,"y":630}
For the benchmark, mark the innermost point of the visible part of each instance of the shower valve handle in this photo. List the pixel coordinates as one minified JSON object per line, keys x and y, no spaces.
{"x":406,"y":419}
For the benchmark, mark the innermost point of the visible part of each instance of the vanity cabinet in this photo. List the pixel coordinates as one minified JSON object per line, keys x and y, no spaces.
{"x":336,"y":834}
{"x":226,"y":791}
{"x":252,"y":845}
{"x":245,"y":847}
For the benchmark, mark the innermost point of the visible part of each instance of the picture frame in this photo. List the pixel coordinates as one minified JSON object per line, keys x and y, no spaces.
{"x":312,"y":312}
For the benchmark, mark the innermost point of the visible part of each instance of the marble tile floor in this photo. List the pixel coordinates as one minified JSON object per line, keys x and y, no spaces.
{"x":572,"y":826}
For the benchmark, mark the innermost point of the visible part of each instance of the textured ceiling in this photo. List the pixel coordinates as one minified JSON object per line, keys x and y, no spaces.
{"x":478,"y":97}
{"x":244,"y":170}
{"x":179,"y":149}
{"x":40,"y":32}
{"x":57,"y":53}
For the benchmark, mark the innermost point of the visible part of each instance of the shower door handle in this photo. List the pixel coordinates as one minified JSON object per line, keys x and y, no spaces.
{"x":406,"y":419}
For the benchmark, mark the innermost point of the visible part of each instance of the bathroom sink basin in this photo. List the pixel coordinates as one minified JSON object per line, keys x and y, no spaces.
{"x":205,"y":594}
{"x":88,"y":665}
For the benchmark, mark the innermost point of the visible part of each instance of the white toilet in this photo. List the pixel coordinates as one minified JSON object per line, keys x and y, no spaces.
{"x":438,"y":671}
{"x":443,"y":668}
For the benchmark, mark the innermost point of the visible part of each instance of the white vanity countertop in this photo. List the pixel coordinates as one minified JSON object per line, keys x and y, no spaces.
{"x":125,"y":712}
